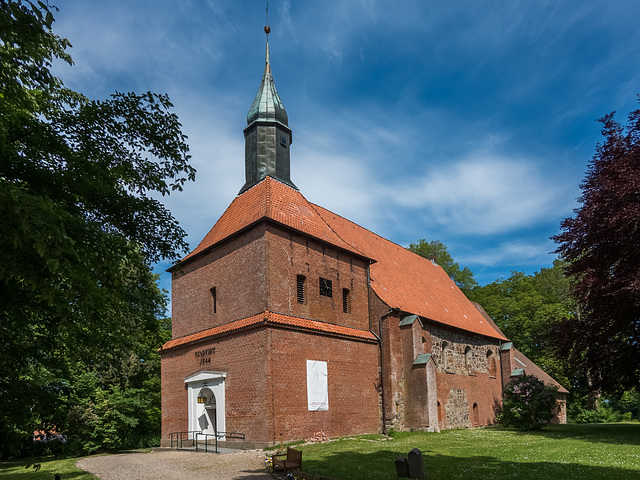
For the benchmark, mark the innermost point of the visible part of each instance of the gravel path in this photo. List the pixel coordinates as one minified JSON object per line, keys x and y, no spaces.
{"x":178,"y":465}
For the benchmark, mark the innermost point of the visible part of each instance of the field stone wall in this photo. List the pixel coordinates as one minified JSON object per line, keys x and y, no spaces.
{"x":457,"y":409}
{"x":475,"y":361}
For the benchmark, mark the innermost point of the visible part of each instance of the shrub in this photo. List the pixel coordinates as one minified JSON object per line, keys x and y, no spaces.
{"x":598,"y":415}
{"x":527,"y":403}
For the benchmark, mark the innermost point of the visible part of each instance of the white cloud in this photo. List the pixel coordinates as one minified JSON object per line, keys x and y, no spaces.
{"x":516,"y":252}
{"x":484,"y":194}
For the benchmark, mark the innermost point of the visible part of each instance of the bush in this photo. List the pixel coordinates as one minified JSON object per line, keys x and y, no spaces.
{"x":599,"y":415}
{"x":527,"y":403}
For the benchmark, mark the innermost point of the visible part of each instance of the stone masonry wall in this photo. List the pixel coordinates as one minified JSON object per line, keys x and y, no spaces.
{"x":464,"y":353}
{"x":457,"y":409}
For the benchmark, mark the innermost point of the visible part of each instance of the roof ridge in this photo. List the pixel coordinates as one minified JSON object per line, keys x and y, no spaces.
{"x":368,"y":230}
{"x":313,"y":205}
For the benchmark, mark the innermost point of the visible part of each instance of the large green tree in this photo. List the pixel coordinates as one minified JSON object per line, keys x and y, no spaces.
{"x":463,"y":277}
{"x":601,"y":245}
{"x":79,"y":227}
{"x":527,"y":308}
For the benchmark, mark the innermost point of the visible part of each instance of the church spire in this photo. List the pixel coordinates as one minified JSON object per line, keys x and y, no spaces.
{"x":267,"y":135}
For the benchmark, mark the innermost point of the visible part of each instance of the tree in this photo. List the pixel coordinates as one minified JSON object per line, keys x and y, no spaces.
{"x":527,"y":403}
{"x":600,"y":245}
{"x":526,"y":308}
{"x":79,"y":227}
{"x":462,"y":277}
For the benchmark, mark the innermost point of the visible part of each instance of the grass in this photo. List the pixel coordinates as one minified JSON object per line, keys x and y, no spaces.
{"x":583,"y":452}
{"x":23,"y":469}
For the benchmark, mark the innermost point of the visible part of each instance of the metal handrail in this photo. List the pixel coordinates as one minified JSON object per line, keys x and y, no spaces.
{"x":234,"y":435}
{"x":206,"y":442}
{"x":179,"y":437}
{"x":216,"y":435}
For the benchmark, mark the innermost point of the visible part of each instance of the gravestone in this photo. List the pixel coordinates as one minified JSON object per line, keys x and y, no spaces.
{"x":402,"y":467}
{"x":414,"y":462}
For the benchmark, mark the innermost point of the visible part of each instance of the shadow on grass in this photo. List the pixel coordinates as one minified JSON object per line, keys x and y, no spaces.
{"x":613,"y":433}
{"x":48,"y":467}
{"x":350,"y":465}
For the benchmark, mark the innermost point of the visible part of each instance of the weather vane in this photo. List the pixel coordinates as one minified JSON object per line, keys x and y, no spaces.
{"x":267,"y":29}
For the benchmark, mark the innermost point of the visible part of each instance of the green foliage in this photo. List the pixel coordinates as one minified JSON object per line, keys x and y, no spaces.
{"x":628,"y":404}
{"x":600,"y":244}
{"x":79,"y":228}
{"x":599,"y":415}
{"x":526,"y":308}
{"x":623,"y":407}
{"x":527,"y":403}
{"x":463,"y":278}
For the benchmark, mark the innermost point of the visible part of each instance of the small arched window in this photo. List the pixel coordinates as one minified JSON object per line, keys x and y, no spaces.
{"x":445,"y":363}
{"x":491,"y":363}
{"x":476,"y":415}
{"x":467,"y":358}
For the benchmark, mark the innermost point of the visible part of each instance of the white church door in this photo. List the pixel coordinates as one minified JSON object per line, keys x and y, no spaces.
{"x":206,"y":402}
{"x":207,"y":421}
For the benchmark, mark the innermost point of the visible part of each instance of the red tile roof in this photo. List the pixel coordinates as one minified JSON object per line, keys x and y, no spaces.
{"x":410,"y":282}
{"x":530,"y":368}
{"x":401,"y":279}
{"x":271,"y":319}
{"x":276,"y":201}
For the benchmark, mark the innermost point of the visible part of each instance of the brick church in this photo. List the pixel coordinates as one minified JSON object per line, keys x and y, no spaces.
{"x":289,"y":319}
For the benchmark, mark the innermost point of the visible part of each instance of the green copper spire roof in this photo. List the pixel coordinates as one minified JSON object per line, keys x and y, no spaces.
{"x":267,"y":104}
{"x":267,"y":136}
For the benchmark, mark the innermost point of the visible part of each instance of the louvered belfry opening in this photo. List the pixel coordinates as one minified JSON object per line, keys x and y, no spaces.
{"x":345,"y":300}
{"x":300,"y":288}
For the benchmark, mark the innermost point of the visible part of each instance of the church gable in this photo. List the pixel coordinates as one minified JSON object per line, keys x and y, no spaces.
{"x":274,"y":201}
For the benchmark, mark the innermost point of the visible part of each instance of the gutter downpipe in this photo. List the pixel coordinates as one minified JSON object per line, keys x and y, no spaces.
{"x":378,"y":337}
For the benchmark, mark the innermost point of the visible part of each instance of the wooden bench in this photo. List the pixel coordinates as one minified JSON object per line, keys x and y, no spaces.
{"x":292,"y":461}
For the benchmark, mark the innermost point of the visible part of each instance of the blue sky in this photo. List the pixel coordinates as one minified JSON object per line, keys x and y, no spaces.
{"x":471,"y":122}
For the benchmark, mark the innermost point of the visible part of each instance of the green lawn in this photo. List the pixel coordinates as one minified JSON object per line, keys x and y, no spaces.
{"x":610,"y":451}
{"x":604,"y":451}
{"x":23,"y":470}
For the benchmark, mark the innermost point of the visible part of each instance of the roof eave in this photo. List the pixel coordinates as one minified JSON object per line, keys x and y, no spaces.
{"x":264,"y":219}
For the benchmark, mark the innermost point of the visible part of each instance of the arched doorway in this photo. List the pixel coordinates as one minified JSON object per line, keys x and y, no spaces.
{"x":207,"y":419}
{"x":476,"y":415}
{"x":206,"y":402}
{"x":441,"y":416}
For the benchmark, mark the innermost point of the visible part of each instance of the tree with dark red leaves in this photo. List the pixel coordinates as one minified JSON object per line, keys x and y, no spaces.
{"x":602,"y":247}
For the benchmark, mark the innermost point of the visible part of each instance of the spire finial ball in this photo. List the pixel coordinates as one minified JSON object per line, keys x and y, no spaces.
{"x":267,"y":29}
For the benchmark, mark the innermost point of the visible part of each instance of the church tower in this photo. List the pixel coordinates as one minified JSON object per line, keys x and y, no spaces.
{"x":267,"y":135}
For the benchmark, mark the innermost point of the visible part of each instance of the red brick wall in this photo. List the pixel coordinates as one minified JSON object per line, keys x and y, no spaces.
{"x":290,"y":255}
{"x":237,"y":270}
{"x":352,"y":369}
{"x":266,"y":389}
{"x":480,"y":388}
{"x":244,"y":359}
{"x":393,"y":372}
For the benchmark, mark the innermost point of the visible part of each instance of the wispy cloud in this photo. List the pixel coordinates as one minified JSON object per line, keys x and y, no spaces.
{"x":515,"y":253}
{"x":484,"y":195}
